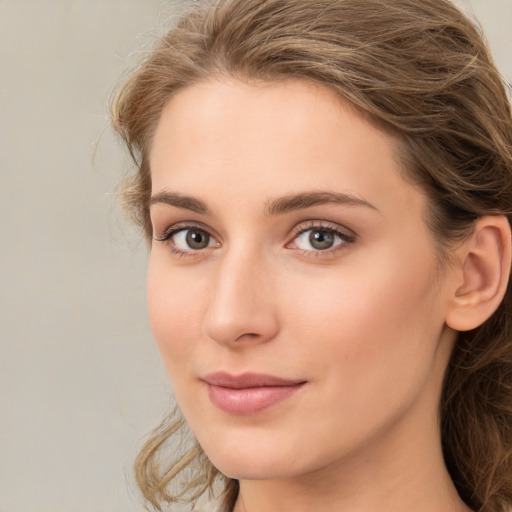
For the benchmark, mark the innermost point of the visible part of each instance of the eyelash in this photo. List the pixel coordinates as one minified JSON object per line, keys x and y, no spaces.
{"x":302,"y":228}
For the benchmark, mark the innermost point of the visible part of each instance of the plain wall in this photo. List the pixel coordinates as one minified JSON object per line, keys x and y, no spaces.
{"x":80,"y":378}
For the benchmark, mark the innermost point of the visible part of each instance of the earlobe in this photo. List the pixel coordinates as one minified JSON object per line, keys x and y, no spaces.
{"x":485,"y":260}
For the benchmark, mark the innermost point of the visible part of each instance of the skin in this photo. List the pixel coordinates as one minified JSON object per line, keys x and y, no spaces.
{"x":362,"y":322}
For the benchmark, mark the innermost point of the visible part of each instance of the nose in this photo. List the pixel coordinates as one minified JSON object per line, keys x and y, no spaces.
{"x":241,"y":309}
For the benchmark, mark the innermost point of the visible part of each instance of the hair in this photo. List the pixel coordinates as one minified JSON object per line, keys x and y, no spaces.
{"x":422,"y":70}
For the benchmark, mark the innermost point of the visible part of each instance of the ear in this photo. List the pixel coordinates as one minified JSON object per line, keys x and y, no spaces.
{"x":481,"y":283}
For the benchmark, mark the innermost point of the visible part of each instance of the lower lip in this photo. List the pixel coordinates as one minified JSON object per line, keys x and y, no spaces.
{"x":249,"y":401}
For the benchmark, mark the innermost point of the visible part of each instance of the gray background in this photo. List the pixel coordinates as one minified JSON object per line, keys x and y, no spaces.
{"x":80,"y":379}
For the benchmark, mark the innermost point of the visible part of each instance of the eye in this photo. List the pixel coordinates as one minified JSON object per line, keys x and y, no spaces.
{"x":319,"y":238}
{"x":187,"y":240}
{"x":195,"y":239}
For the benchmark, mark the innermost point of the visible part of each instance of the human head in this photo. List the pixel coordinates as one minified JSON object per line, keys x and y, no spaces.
{"x":420,"y":70}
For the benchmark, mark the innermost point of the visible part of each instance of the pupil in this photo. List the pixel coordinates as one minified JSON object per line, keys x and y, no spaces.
{"x":321,"y":239}
{"x":197,"y":239}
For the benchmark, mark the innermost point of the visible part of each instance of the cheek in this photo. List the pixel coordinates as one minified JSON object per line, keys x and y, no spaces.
{"x":369,"y":319}
{"x":374,"y":298}
{"x":175,"y":308}
{"x":368,"y":340}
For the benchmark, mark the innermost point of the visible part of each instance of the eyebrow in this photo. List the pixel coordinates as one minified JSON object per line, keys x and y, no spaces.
{"x":307,"y":199}
{"x":273,"y":207}
{"x":180,"y":201}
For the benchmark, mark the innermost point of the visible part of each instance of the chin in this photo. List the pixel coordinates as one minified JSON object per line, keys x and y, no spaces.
{"x":254,"y":459}
{"x":253,"y":469}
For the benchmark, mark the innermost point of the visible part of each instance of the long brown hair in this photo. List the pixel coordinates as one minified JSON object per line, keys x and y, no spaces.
{"x":418,"y":67}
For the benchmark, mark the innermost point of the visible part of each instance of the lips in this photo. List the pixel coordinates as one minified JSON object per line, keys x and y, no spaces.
{"x":248,"y":393}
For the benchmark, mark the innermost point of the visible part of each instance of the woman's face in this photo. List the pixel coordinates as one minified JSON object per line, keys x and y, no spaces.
{"x":294,"y":291}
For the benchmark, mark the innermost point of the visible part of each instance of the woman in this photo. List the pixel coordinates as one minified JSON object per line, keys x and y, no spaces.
{"x":326,"y":187}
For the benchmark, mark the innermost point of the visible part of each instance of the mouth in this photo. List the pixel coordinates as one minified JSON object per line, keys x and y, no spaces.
{"x":249,"y":393}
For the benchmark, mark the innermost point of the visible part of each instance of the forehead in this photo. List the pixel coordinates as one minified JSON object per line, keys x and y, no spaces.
{"x":271,"y":138}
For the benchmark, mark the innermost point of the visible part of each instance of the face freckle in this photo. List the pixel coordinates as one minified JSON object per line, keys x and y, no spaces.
{"x":335,"y":293}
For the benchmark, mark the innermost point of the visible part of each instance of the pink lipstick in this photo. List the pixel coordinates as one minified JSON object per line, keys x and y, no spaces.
{"x":248,"y":393}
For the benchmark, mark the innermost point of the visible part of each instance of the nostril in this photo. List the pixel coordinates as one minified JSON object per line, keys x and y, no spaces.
{"x":249,"y":335}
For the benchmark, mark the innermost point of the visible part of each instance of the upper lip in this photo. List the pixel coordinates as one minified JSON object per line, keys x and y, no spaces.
{"x":248,"y":380}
